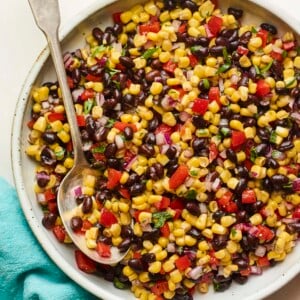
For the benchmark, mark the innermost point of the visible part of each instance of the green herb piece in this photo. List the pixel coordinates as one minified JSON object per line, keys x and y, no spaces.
{"x":110,"y":123}
{"x":257,"y":70}
{"x":194,"y":172}
{"x":226,"y":56}
{"x":159,"y":218}
{"x":203,"y":132}
{"x":223,"y":68}
{"x":206,"y":83}
{"x":87,"y":106}
{"x":284,"y":53}
{"x":253,"y":30}
{"x":111,"y":71}
{"x":266,"y":68}
{"x":273,"y":137}
{"x":225,"y":131}
{"x":120,"y":285}
{"x":117,"y":84}
{"x":99,"y":149}
{"x":191,"y":195}
{"x":233,"y":232}
{"x":60,"y":153}
{"x":196,"y":48}
{"x":97,"y":50}
{"x":288,"y":185}
{"x":276,"y":154}
{"x":148,"y":53}
{"x":290,"y":81}
{"x":253,"y":154}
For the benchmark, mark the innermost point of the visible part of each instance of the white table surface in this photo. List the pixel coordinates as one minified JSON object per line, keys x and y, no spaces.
{"x":21,"y":43}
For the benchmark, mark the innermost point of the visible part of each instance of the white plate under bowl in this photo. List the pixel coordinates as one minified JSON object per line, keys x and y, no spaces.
{"x":23,"y":168}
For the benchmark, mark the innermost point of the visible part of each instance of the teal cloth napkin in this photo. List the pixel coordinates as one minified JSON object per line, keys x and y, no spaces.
{"x":26,"y":272}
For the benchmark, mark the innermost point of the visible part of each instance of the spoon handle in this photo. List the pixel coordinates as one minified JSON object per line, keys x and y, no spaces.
{"x":47,"y":18}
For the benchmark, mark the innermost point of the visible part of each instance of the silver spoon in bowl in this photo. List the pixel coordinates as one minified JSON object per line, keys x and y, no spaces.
{"x":47,"y":18}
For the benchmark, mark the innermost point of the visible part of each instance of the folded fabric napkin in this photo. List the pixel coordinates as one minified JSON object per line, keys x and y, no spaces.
{"x":26,"y":272}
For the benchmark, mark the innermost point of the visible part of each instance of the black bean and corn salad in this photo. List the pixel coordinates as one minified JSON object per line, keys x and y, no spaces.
{"x":192,"y":119}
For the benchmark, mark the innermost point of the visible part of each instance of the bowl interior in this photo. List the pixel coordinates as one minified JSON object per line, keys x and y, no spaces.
{"x":23,"y":167}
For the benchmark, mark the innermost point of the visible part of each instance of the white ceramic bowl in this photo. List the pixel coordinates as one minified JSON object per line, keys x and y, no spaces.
{"x":23,"y":168}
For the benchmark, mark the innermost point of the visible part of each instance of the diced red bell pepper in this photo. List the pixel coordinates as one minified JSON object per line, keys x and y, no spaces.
{"x":94,"y":78}
{"x":182,"y":263}
{"x":165,"y":230}
{"x":170,"y":66}
{"x":296,"y":213}
{"x":137,"y":254}
{"x":114,"y":177}
{"x":215,"y":24}
{"x":160,"y":287}
{"x":263,"y":261}
{"x":213,"y":151}
{"x":264,"y":233}
{"x":213,"y":261}
{"x":107,"y":218}
{"x":70,"y":82}
{"x":69,"y":146}
{"x":214,"y":94}
{"x":103,"y":249}
{"x":86,"y":225}
{"x":289,"y":45}
{"x":54,"y":116}
{"x":182,"y":27}
{"x":263,"y":34}
{"x":164,"y":128}
{"x":245,"y":272}
{"x":49,"y":195}
{"x":226,"y":203}
{"x":262,"y":88}
{"x":84,"y":263}
{"x":178,"y":177}
{"x":164,"y":203}
{"x":30,"y":124}
{"x":128,"y":156}
{"x":59,"y":233}
{"x":122,"y":125}
{"x":238,"y":138}
{"x":149,"y":27}
{"x":124,"y":193}
{"x":293,"y":169}
{"x":242,"y":50}
{"x":200,"y":106}
{"x":276,"y":55}
{"x":80,"y":120}
{"x":117,"y":17}
{"x":193,"y":60}
{"x":52,"y":206}
{"x":248,"y":196}
{"x":87,"y":94}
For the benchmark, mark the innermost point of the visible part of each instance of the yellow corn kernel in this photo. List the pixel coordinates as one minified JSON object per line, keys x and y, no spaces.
{"x":155,"y":267}
{"x":156,"y":88}
{"x":161,"y":255}
{"x":227,"y":221}
{"x":126,"y":16}
{"x":89,"y":180}
{"x":254,"y":43}
{"x":175,"y":276}
{"x":244,"y":61}
{"x":115,"y":230}
{"x":218,"y":229}
{"x":164,"y":56}
{"x":169,"y":119}
{"x":40,"y":94}
{"x":40,"y":124}
{"x":256,"y":219}
{"x":232,"y":183}
{"x":64,"y":136}
{"x":69,"y":162}
{"x":237,"y":125}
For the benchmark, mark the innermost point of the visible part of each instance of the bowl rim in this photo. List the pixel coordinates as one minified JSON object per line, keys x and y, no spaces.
{"x":15,"y":153}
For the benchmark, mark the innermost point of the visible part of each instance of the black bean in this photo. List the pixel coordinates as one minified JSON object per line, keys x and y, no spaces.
{"x":199,"y":122}
{"x":136,"y":264}
{"x":231,"y":155}
{"x":293,"y":228}
{"x":241,"y":263}
{"x":286,"y":145}
{"x":76,"y":223}
{"x":148,"y":258}
{"x":236,"y":12}
{"x":222,"y":41}
{"x":116,"y":94}
{"x":136,"y":189}
{"x":272,"y":163}
{"x":42,"y":179}
{"x":198,"y":144}
{"x":192,"y":6}
{"x":128,"y":133}
{"x":87,"y":205}
{"x":79,"y":199}
{"x":150,"y":138}
{"x":269,"y":27}
{"x":262,"y":149}
{"x":126,"y":231}
{"x":245,"y":38}
{"x":126,"y":61}
{"x":147,"y":150}
{"x":150,"y":76}
{"x":124,"y":245}
{"x":243,"y":81}
{"x":90,"y":125}
{"x":117,"y":28}
{"x":217,"y":215}
{"x":151,"y":173}
{"x":48,"y":157}
{"x":193,"y":208}
{"x":110,"y":150}
{"x":249,"y":242}
{"x":241,"y":216}
{"x":107,"y":38}
{"x":132,"y":179}
{"x":242,"y":171}
{"x":152,"y":236}
{"x":219,"y":242}
{"x":233,"y":46}
{"x":282,"y":90}
{"x":200,"y":51}
{"x":156,"y":64}
{"x":216,"y":50}
{"x":95,"y":70}
{"x":104,"y":239}
{"x":234,"y":35}
{"x":76,"y":76}
{"x":159,"y":169}
{"x":277,"y":70}
{"x":171,"y":152}
{"x":102,"y":195}
{"x":241,"y":186}
{"x":194,"y":232}
{"x":153,"y":124}
{"x":114,"y":163}
{"x":100,"y":134}
{"x":267,"y":184}
{"x":263,"y":134}
{"x":278,"y":180}
{"x":171,"y":169}
{"x":49,"y":220}
{"x":240,"y":279}
{"x":122,"y":78}
{"x":221,"y":283}
{"x":98,"y":34}
{"x":110,"y":103}
{"x":128,"y":102}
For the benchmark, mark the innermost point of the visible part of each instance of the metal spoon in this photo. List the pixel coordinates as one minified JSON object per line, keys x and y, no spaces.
{"x":47,"y":18}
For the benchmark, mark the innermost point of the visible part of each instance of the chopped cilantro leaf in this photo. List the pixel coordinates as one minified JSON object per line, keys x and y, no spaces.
{"x":224,"y":68}
{"x":273,"y":137}
{"x":149,"y":52}
{"x":159,"y":218}
{"x":120,"y":285}
{"x":191,"y":195}
{"x":87,"y":106}
{"x":97,"y":50}
{"x":253,"y":30}
{"x":110,"y":123}
{"x":99,"y":149}
{"x":206,"y":83}
{"x":266,"y":68}
{"x":233,"y":232}
{"x":253,"y":154}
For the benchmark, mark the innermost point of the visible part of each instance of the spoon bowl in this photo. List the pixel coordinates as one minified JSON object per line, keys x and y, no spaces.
{"x":47,"y":17}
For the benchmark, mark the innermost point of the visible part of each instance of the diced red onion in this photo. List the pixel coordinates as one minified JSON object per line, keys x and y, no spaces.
{"x":102,"y":62}
{"x":99,"y":99}
{"x":76,"y":93}
{"x":223,"y":122}
{"x":223,"y":154}
{"x":43,"y":176}
{"x":117,"y":47}
{"x":195,"y":273}
{"x":190,"y":254}
{"x":119,"y":142}
{"x":189,"y":74}
{"x":220,"y":162}
{"x":221,"y":84}
{"x":87,"y":146}
{"x":167,"y":102}
{"x":102,"y":121}
{"x":77,"y":191}
{"x":188,"y":153}
{"x":117,"y":106}
{"x":255,"y":270}
{"x":128,"y":166}
{"x":184,"y":116}
{"x":296,"y":115}
{"x":253,"y":231}
{"x":171,"y":248}
{"x":296,"y":185}
{"x":176,"y":24}
{"x":291,"y":103}
{"x":289,"y":220}
{"x":160,"y":139}
{"x":149,"y":44}
{"x":260,"y":251}
{"x":203,"y":208}
{"x":68,"y":61}
{"x":41,"y":198}
{"x":168,"y":138}
{"x":189,"y":182}
{"x":216,"y":184}
{"x":164,"y":148}
{"x":45,"y":104}
{"x":146,"y":227}
{"x":234,"y":79}
{"x":277,"y":49}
